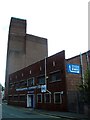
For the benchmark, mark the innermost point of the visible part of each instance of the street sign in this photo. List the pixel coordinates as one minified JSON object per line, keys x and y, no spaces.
{"x":43,"y":88}
{"x":73,"y":68}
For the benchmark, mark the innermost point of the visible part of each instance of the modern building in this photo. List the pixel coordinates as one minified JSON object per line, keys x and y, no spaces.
{"x":23,"y":49}
{"x":50,"y":83}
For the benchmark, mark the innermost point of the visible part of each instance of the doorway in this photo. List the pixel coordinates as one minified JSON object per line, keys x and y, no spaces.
{"x":30,"y":101}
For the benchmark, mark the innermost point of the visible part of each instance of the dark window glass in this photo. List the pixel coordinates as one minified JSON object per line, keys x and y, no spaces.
{"x":10,"y":98}
{"x":55,"y":77}
{"x":47,"y":98}
{"x":41,"y":80}
{"x":23,"y":84}
{"x":57,"y":98}
{"x":31,"y":82}
{"x":22,"y":98}
{"x":15,"y":98}
{"x":17,"y":85}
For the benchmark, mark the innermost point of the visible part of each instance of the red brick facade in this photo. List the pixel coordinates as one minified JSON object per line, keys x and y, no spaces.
{"x":25,"y":86}
{"x":21,"y":91}
{"x":74,"y":79}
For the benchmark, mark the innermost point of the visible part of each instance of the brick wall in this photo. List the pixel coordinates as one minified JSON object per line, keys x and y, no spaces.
{"x":73,"y":80}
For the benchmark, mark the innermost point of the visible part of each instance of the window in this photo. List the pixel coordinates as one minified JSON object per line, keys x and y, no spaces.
{"x":22,"y":98}
{"x":54,"y":64}
{"x":10,"y":85}
{"x":57,"y":98}
{"x":41,"y":80}
{"x":15,"y":97}
{"x":10,"y":97}
{"x":30,"y":82}
{"x":39,"y":98}
{"x":22,"y":74}
{"x":17,"y":85}
{"x":47,"y":98}
{"x":55,"y":77}
{"x":23,"y":84}
{"x":40,"y":68}
{"x":30,"y":72}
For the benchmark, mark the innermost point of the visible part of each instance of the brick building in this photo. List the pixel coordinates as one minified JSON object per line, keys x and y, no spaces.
{"x":74,"y":79}
{"x":61,"y":77}
{"x":23,"y":49}
{"x":27,"y":86}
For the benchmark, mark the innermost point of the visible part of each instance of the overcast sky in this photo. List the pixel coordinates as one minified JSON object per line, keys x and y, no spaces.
{"x":63,"y":22}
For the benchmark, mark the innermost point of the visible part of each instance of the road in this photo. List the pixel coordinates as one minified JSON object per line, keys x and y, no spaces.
{"x":18,"y":112}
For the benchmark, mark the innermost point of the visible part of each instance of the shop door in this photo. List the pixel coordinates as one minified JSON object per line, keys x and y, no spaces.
{"x":30,"y":101}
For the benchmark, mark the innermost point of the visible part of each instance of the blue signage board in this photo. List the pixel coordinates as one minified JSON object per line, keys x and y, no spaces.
{"x":73,"y":68}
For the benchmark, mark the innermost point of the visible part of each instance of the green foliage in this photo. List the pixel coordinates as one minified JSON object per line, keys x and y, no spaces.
{"x":1,"y":87}
{"x":87,"y":79}
{"x":84,"y":87}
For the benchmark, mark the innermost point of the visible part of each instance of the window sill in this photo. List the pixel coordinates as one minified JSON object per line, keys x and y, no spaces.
{"x":55,"y":81}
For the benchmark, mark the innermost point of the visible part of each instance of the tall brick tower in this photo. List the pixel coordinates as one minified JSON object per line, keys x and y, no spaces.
{"x":23,"y":49}
{"x":16,"y":45}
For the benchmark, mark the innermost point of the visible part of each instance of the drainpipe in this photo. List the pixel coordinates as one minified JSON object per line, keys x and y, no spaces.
{"x":82,"y":71}
{"x":87,"y":60}
{"x":45,"y":74}
{"x":46,"y":77}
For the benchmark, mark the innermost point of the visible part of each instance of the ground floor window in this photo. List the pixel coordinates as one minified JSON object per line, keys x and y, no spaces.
{"x":22,"y":97}
{"x":57,"y":98}
{"x":39,"y":98}
{"x":47,"y":98}
{"x":10,"y":97}
{"x":15,"y":97}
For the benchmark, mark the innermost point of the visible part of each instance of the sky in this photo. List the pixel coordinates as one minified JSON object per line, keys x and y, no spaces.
{"x":63,"y":22}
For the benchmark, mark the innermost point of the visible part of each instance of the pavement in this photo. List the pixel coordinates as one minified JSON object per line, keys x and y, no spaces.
{"x":67,"y":115}
{"x":0,"y":111}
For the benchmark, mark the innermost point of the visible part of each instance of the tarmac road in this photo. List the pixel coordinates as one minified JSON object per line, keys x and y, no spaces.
{"x":18,"y":112}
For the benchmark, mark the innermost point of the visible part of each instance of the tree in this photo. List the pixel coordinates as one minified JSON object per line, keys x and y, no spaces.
{"x":1,"y":88}
{"x":84,"y":87}
{"x":87,"y":85}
